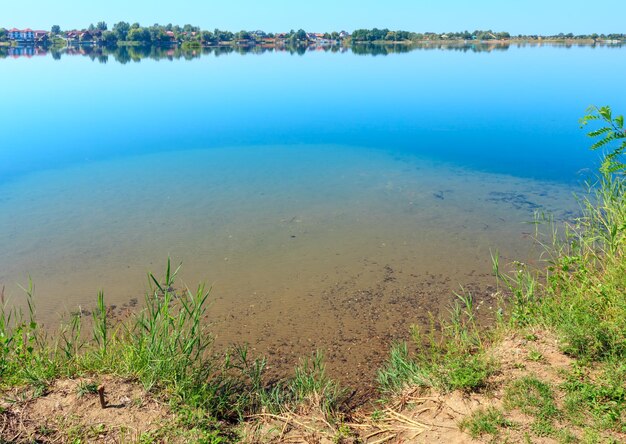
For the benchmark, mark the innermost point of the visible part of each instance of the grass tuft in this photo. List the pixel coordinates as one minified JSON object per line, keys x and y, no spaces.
{"x":487,"y":421}
{"x":87,"y":388}
{"x":534,"y":398}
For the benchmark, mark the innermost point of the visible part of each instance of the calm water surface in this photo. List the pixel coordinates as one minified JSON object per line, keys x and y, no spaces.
{"x":330,"y":198}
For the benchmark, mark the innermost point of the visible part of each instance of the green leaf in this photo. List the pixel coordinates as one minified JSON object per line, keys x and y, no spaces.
{"x":605,"y":113}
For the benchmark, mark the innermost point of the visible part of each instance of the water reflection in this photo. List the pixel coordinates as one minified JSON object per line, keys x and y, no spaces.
{"x":126,"y":54}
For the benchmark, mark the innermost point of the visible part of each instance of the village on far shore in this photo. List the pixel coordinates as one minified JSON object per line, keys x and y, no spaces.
{"x":123,"y":33}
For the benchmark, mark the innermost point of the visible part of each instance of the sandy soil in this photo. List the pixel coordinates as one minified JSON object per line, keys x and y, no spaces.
{"x":62,"y":413}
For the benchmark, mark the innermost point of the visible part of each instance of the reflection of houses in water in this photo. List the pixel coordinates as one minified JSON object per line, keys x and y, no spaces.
{"x":26,"y":51}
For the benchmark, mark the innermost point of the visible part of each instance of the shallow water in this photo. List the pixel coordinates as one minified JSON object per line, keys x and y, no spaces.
{"x":331,"y":200}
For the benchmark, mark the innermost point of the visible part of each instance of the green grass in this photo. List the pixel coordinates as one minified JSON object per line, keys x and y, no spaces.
{"x":455,"y":360}
{"x":535,"y":355}
{"x":600,"y":402}
{"x":191,"y":45}
{"x":87,"y":388}
{"x":534,"y":398}
{"x":566,"y":436}
{"x":487,"y":421}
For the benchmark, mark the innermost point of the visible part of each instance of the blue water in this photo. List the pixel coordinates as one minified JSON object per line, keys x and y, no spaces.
{"x":294,"y":184}
{"x":513,"y":111}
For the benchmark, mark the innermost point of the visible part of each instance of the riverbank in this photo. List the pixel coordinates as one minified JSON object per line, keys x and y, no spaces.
{"x":548,"y":369}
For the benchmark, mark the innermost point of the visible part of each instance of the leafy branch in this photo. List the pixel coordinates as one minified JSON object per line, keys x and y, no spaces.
{"x":612,"y":131}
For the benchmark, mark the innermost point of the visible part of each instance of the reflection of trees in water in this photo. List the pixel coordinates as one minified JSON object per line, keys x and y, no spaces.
{"x":378,"y":49}
{"x":127,"y":54}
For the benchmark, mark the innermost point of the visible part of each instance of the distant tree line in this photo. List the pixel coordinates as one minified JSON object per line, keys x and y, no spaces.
{"x":386,"y":35}
{"x":124,"y":32}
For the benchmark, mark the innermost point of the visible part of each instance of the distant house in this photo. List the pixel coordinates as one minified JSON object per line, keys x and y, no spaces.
{"x":171,"y":36}
{"x":344,"y":34}
{"x":85,"y":36}
{"x":315,"y":36}
{"x":41,"y":35}
{"x":21,"y":35}
{"x":72,"y":35}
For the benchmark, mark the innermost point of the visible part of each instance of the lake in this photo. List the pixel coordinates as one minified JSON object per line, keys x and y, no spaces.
{"x":331,"y":198}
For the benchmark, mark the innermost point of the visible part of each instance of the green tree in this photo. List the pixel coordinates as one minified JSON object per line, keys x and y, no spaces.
{"x":56,"y":29}
{"x":140,"y":35}
{"x":207,"y":36}
{"x":301,"y":35}
{"x":243,"y":35}
{"x":485,"y":35}
{"x":109,"y":38}
{"x":102,"y":26}
{"x":223,"y":36}
{"x":158,"y":35}
{"x":121,"y":30}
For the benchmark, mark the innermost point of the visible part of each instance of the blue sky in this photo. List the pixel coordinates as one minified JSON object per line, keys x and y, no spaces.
{"x":517,"y":16}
